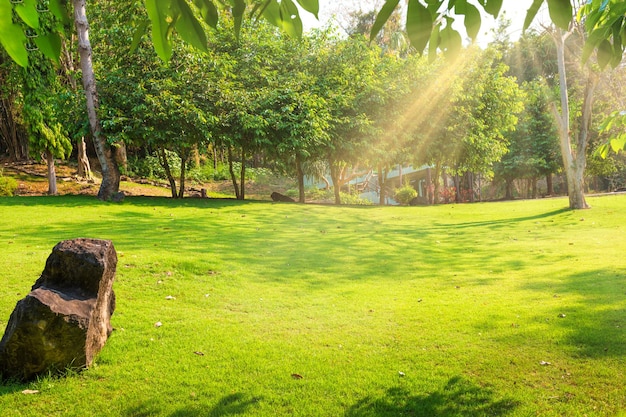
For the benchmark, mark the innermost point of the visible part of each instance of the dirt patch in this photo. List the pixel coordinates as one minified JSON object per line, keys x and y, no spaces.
{"x":32,"y":181}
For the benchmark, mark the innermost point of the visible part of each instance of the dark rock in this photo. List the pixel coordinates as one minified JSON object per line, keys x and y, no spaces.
{"x":281,"y":197}
{"x":418,"y":201}
{"x":65,"y":320}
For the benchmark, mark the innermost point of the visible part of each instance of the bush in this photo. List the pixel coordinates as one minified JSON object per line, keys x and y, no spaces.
{"x":150,"y":166}
{"x":8,"y":186}
{"x":405,"y":194}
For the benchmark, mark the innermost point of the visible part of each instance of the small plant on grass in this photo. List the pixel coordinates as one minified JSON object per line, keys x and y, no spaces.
{"x":405,"y":194}
{"x":8,"y":186}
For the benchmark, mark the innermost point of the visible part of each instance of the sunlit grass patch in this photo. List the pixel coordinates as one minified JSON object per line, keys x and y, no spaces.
{"x":279,"y":309}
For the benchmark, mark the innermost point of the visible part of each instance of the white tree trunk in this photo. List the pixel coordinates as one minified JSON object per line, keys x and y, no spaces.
{"x":110,"y":171}
{"x":574,"y":157}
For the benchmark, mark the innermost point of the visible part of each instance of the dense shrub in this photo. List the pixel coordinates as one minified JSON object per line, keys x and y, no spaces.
{"x":8,"y":186}
{"x":405,"y":194}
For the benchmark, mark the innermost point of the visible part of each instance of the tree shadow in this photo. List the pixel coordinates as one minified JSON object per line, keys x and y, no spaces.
{"x":503,"y":223}
{"x":589,"y":306}
{"x":229,"y":405}
{"x":459,"y":397}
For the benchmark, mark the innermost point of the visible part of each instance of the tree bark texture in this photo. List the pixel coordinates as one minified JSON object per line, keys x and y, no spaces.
{"x":183,"y":166}
{"x":110,"y":171}
{"x":242,"y":175}
{"x":382,"y":182}
{"x":168,"y":172}
{"x":84,"y":168}
{"x":52,"y":176}
{"x":574,"y":157}
{"x":231,"y":170}
{"x":300,"y":175}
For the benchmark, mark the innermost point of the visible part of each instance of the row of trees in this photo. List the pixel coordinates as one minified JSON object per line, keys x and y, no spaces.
{"x":294,"y":103}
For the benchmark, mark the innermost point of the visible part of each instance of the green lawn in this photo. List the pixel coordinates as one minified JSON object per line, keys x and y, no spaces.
{"x":392,"y":311}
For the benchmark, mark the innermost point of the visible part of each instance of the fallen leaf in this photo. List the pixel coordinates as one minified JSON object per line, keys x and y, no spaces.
{"x":401,"y":373}
{"x":562,"y":315}
{"x":296,"y":376}
{"x":169,"y":297}
{"x":544,"y":363}
{"x":30,"y":391}
{"x":158,"y":324}
{"x":199,"y":353}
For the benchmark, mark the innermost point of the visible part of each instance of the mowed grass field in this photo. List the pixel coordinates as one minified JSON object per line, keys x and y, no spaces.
{"x":503,"y":309}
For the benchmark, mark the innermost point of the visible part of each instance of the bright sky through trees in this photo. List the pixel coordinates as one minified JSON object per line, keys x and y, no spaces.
{"x":515,"y":10}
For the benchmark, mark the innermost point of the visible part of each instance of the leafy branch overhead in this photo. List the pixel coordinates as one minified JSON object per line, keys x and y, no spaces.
{"x":186,"y":18}
{"x":429,"y":23}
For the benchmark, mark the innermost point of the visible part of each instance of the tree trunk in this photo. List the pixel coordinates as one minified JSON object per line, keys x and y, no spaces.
{"x":110,"y":171}
{"x":52,"y":178}
{"x":436,"y":184}
{"x":84,"y":168}
{"x":16,"y":144}
{"x":168,"y":172}
{"x":549,"y":184}
{"x":508,"y":192}
{"x":382,"y":183}
{"x":457,"y":188}
{"x":574,"y":158}
{"x":300,"y":175}
{"x":231,"y":170}
{"x":242,"y":175}
{"x":334,"y":175}
{"x":183,"y":165}
{"x":121,"y":158}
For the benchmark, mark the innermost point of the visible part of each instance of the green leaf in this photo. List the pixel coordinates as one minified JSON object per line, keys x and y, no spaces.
{"x":139,"y":32}
{"x":190,"y":28}
{"x":593,"y":41}
{"x":451,"y":41}
{"x":560,"y":13}
{"x":59,"y":11}
{"x":433,"y":43}
{"x":208,"y":11}
{"x":311,"y":6}
{"x":419,"y":25}
{"x":532,"y":12}
{"x":472,"y":21}
{"x":602,"y":151}
{"x":290,"y":19}
{"x":50,"y":45}
{"x":383,"y":16}
{"x":271,"y":12}
{"x":493,"y":7}
{"x":12,"y":38}
{"x":618,"y":144}
{"x":605,"y":53}
{"x":27,"y":11}
{"x":239,"y":8}
{"x":158,"y":14}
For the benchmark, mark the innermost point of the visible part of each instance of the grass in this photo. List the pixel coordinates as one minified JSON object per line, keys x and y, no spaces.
{"x":383,"y":311}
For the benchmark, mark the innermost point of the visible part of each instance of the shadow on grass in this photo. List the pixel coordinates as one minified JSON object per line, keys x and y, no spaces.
{"x":496,"y":224}
{"x":11,"y":387}
{"x":229,"y":405}
{"x":459,"y":397}
{"x":591,"y":307}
